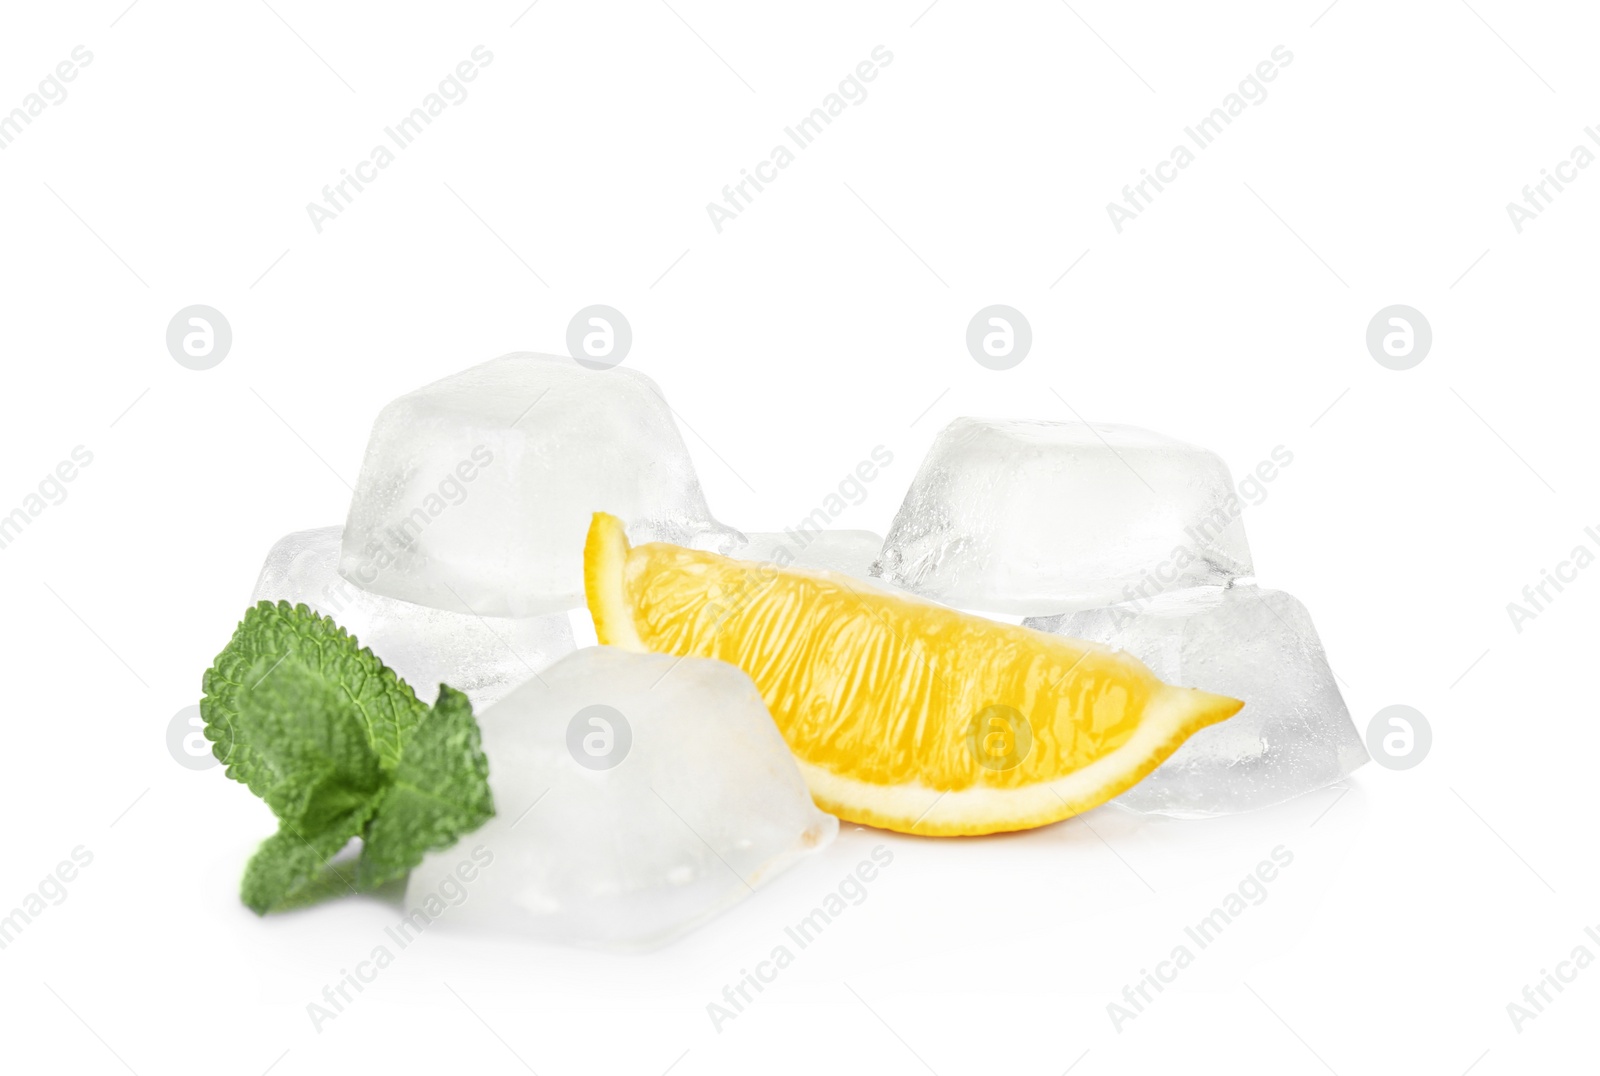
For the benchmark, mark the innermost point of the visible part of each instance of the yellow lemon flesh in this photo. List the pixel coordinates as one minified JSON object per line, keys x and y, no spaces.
{"x":903,"y":714}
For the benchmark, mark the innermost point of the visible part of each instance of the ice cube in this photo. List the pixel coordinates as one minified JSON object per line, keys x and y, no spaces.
{"x":845,"y":551}
{"x":482,"y":656}
{"x":476,"y":491}
{"x":636,"y":796}
{"x":1294,"y":734}
{"x":1040,"y":517}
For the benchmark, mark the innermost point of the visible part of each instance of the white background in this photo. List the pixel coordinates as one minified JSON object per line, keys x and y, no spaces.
{"x":826,"y":319}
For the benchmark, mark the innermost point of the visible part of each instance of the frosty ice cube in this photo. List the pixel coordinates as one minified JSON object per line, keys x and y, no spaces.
{"x":482,"y":656}
{"x":1040,"y":517}
{"x":477,"y":490}
{"x":636,"y":796}
{"x":1294,"y":734}
{"x":845,"y":551}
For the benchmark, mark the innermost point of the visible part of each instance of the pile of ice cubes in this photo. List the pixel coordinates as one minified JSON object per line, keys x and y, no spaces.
{"x":463,"y":549}
{"x":459,"y":563}
{"x":1125,"y":537}
{"x":461,"y":558}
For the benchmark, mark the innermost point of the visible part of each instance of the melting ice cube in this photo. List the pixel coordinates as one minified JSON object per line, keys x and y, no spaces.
{"x":482,"y":656}
{"x":1294,"y":734}
{"x":476,"y":491}
{"x":1039,"y":517}
{"x":636,"y":796}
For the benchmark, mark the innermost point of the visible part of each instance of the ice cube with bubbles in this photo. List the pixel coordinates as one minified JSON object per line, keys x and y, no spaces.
{"x":482,"y":656}
{"x":476,"y":491}
{"x":1294,"y":734}
{"x":636,"y":796}
{"x":1036,"y":518}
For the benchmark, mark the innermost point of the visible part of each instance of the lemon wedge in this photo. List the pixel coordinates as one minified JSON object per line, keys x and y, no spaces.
{"x":902,"y":714}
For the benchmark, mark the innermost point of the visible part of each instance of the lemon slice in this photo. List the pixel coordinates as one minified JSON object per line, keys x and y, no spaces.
{"x":903,"y":714}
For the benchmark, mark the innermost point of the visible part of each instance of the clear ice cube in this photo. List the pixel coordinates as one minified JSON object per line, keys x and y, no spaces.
{"x":482,"y":656}
{"x":636,"y":796}
{"x":476,"y":491}
{"x":1294,"y":734}
{"x":1035,"y":518}
{"x":845,"y":551}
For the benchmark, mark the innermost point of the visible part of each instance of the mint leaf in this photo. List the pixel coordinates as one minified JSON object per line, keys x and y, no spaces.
{"x":288,"y":870}
{"x":440,"y":790}
{"x":313,"y":758}
{"x":303,"y":649}
{"x":338,"y":747}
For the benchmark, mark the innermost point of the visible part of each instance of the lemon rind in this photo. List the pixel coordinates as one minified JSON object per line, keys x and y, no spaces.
{"x":1169,"y":719}
{"x":605,"y":562}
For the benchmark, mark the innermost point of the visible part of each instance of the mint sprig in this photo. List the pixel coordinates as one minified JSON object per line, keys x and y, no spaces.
{"x":339,"y":747}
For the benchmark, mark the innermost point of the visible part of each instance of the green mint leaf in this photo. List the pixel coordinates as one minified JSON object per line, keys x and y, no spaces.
{"x":303,"y":648}
{"x":338,"y":747}
{"x":290,"y":870}
{"x":313,"y":760}
{"x":439,"y":792}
